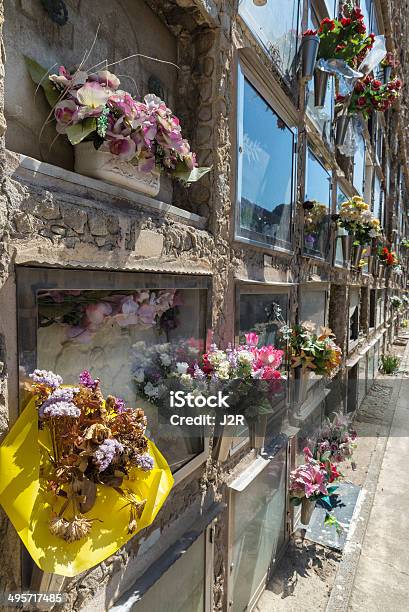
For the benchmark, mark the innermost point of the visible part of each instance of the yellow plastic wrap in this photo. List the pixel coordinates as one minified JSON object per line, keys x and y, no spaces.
{"x":28,"y":504}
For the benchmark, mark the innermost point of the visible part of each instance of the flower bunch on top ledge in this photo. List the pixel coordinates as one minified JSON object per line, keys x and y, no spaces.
{"x":345,"y":38}
{"x":92,"y":107}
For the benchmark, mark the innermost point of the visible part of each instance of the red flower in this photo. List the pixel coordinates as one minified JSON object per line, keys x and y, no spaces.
{"x":359,"y":86}
{"x":340,"y":47}
{"x":327,"y":24}
{"x":376,"y":84}
{"x":398,"y":84}
{"x":385,"y":251}
{"x":361,"y":27}
{"x":390,"y":259}
{"x":357,"y":13}
{"x":339,"y":98}
{"x":372,"y":37}
{"x":310,"y":33}
{"x":361,"y":101}
{"x":346,"y":21}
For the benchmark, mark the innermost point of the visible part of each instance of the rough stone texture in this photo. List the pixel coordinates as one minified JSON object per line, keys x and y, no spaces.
{"x":49,"y":222}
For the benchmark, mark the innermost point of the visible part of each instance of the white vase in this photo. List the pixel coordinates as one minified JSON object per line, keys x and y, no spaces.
{"x":110,"y":168}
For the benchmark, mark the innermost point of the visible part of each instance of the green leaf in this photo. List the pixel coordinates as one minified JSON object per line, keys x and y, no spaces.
{"x":191,"y":176}
{"x":39,"y":76}
{"x":76,"y":133}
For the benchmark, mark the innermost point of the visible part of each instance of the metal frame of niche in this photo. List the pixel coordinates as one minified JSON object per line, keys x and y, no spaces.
{"x":31,"y":279}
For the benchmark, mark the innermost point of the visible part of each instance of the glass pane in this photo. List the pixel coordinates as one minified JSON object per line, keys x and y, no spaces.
{"x":359,"y":165}
{"x":275,"y":25}
{"x":316,"y":222}
{"x":266,"y":185}
{"x":259,"y":530}
{"x":257,"y":315}
{"x":168,"y":594}
{"x":119,"y":336}
{"x":312,"y":307}
{"x":377,"y":203}
{"x":339,"y":256}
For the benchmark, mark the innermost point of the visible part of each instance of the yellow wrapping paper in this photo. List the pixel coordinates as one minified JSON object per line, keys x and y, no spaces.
{"x":28,"y":504}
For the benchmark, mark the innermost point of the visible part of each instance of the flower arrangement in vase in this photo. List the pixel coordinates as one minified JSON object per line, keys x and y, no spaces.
{"x":313,"y":222}
{"x":116,"y":136}
{"x":388,"y":258}
{"x":311,"y":482}
{"x":312,"y":349}
{"x":370,"y":94}
{"x":85,"y":476}
{"x":357,"y":219}
{"x":396,"y":302}
{"x":336,"y":440}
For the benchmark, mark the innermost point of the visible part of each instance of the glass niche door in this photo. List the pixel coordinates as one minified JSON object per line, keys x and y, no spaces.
{"x":125,"y":328}
{"x":257,"y":531}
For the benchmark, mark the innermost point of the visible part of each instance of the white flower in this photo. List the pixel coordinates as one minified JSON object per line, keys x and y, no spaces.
{"x":165,"y":359}
{"x":245,"y":357}
{"x":139,"y":376}
{"x":373,"y":233}
{"x":223,"y":370}
{"x":182,"y":367}
{"x":150,"y":390}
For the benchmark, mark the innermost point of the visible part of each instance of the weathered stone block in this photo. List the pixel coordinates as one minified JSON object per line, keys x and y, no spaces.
{"x":97,"y":224}
{"x":48,"y":210}
{"x":25,"y":223}
{"x":75,"y":218}
{"x":149,"y":244}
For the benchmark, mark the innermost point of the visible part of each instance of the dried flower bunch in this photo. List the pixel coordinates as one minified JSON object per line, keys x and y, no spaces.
{"x":91,"y":106}
{"x":356,"y":217}
{"x":94,"y":441}
{"x":345,"y":38}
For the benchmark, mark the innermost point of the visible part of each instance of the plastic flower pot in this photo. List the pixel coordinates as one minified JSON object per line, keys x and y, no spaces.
{"x":357,"y":254}
{"x":342,"y":123}
{"x":309,"y":50}
{"x":320,"y":87}
{"x":301,"y":377}
{"x":222,"y":442}
{"x":258,"y":432}
{"x":110,"y":168}
{"x":346,"y":244}
{"x":307,"y":508}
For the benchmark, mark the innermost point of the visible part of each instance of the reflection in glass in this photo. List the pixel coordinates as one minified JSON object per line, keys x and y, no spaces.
{"x":167,"y":595}
{"x":106,"y":332}
{"x":259,"y":530}
{"x":359,"y":164}
{"x":312,"y":306}
{"x":275,"y":25}
{"x":316,"y":221}
{"x":257,"y":315}
{"x":377,"y":198}
{"x":339,"y":255}
{"x":266,"y":179}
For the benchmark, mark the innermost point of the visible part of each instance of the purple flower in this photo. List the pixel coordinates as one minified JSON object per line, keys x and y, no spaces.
{"x":60,"y":404}
{"x":145,"y":462}
{"x":198,"y":373}
{"x":87,"y":380}
{"x":122,"y":146}
{"x":106,"y":452}
{"x":46,"y":378}
{"x":119,"y":405}
{"x":65,"y":113}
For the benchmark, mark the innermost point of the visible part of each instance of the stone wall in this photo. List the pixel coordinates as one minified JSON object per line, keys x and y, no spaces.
{"x":50,"y":217}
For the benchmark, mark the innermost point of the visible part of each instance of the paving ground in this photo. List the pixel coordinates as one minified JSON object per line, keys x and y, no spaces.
{"x":305,"y":577}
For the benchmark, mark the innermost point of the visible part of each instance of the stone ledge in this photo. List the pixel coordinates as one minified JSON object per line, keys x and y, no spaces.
{"x":47,"y":175}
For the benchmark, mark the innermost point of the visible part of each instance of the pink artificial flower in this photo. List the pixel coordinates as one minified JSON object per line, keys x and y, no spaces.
{"x":122,"y":146}
{"x":251,"y":339}
{"x":124,"y":103}
{"x":307,"y":453}
{"x":93,"y":95}
{"x":96,"y":313}
{"x":147,"y":314}
{"x":128,"y":312}
{"x":66,"y":114}
{"x":105,"y":78}
{"x":270,"y":374}
{"x":268,"y":356}
{"x":83,"y":335}
{"x":146,"y":162}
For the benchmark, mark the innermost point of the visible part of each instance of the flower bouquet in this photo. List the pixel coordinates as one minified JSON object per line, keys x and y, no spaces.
{"x":313,"y":223}
{"x":357,"y":219}
{"x":313,"y":350}
{"x":396,"y":302}
{"x":85,"y":476}
{"x":370,"y":94}
{"x":389,"y":258}
{"x":116,"y":136}
{"x":312,"y":482}
{"x":336,"y":440}
{"x":84,"y":313}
